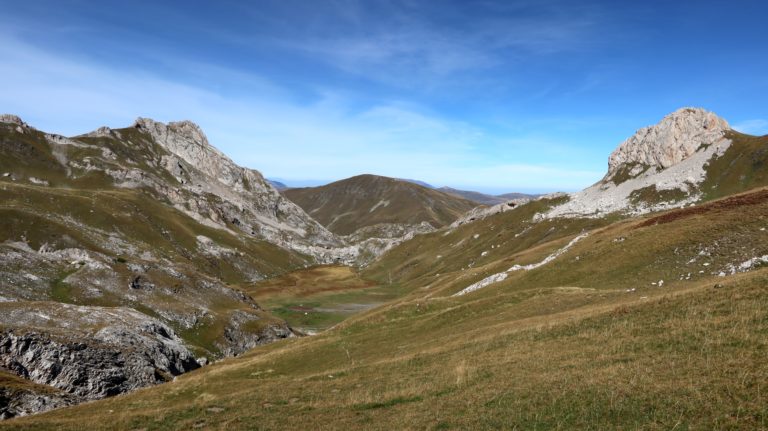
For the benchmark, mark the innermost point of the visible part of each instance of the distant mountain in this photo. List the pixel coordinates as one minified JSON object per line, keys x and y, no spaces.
{"x":280,"y":186}
{"x":480,"y":198}
{"x":367,"y":200}
{"x":485,"y":199}
{"x":510,"y":196}
{"x":421,"y":183}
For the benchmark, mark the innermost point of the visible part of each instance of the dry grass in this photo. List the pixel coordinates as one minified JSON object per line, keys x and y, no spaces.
{"x":308,"y":282}
{"x":695,"y":358}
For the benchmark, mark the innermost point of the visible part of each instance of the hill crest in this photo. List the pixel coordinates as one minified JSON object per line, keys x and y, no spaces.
{"x":366,"y":200}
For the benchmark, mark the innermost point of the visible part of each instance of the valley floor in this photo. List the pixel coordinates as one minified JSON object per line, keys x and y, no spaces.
{"x":315,"y":299}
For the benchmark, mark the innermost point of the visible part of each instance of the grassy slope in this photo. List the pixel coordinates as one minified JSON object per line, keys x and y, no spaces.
{"x":743,"y":166}
{"x":43,"y":214}
{"x":346,"y":205}
{"x":565,"y":346}
{"x":456,"y":257}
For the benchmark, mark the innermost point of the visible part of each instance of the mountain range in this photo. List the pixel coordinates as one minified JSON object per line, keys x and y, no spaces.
{"x":130,"y":256}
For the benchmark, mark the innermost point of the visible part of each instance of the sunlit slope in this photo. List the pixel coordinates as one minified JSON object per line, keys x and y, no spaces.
{"x":585,"y":341}
{"x":367,"y":200}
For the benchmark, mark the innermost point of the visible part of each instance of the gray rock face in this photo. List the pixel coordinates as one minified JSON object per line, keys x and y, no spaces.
{"x":89,"y":352}
{"x":15,"y":403}
{"x":245,"y":195}
{"x":240,"y":340}
{"x":675,"y":138}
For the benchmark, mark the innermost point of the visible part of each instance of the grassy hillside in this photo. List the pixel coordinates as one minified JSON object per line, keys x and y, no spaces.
{"x":590,"y":340}
{"x":743,"y":166}
{"x":366,"y":200}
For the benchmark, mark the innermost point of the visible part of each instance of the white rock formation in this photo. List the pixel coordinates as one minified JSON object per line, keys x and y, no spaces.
{"x":674,"y":139}
{"x":12,"y":119}
{"x":246,"y":196}
{"x":501,"y":276}
{"x":671,"y":155}
{"x":481,"y":212}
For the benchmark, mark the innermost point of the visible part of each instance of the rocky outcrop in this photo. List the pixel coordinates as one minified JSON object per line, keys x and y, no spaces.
{"x":12,"y":119}
{"x":660,"y":167}
{"x":675,"y":138}
{"x":481,"y":213}
{"x":89,"y":352}
{"x":245,"y":196}
{"x":30,"y":400}
{"x":240,"y":339}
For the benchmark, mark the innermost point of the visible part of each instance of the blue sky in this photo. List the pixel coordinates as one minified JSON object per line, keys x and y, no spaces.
{"x":496,"y":96}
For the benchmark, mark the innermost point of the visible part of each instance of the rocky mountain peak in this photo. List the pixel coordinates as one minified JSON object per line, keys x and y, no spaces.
{"x":186,"y":140}
{"x":163,"y":133}
{"x":13,"y":119}
{"x":675,"y":138}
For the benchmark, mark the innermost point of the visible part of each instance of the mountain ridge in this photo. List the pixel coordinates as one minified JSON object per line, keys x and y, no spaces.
{"x":366,"y":200}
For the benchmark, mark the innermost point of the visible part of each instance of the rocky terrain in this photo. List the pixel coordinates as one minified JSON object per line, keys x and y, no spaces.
{"x":85,"y":352}
{"x":152,"y":222}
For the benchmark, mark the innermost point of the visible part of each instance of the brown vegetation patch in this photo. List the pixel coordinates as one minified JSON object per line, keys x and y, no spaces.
{"x":754,"y":198}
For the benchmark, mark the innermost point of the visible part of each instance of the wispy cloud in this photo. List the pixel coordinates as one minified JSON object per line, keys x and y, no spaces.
{"x":426,"y":45}
{"x":327,"y":139}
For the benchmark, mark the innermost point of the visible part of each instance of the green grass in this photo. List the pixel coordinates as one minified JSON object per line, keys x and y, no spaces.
{"x":650,"y":195}
{"x":61,"y":291}
{"x":320,"y":297}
